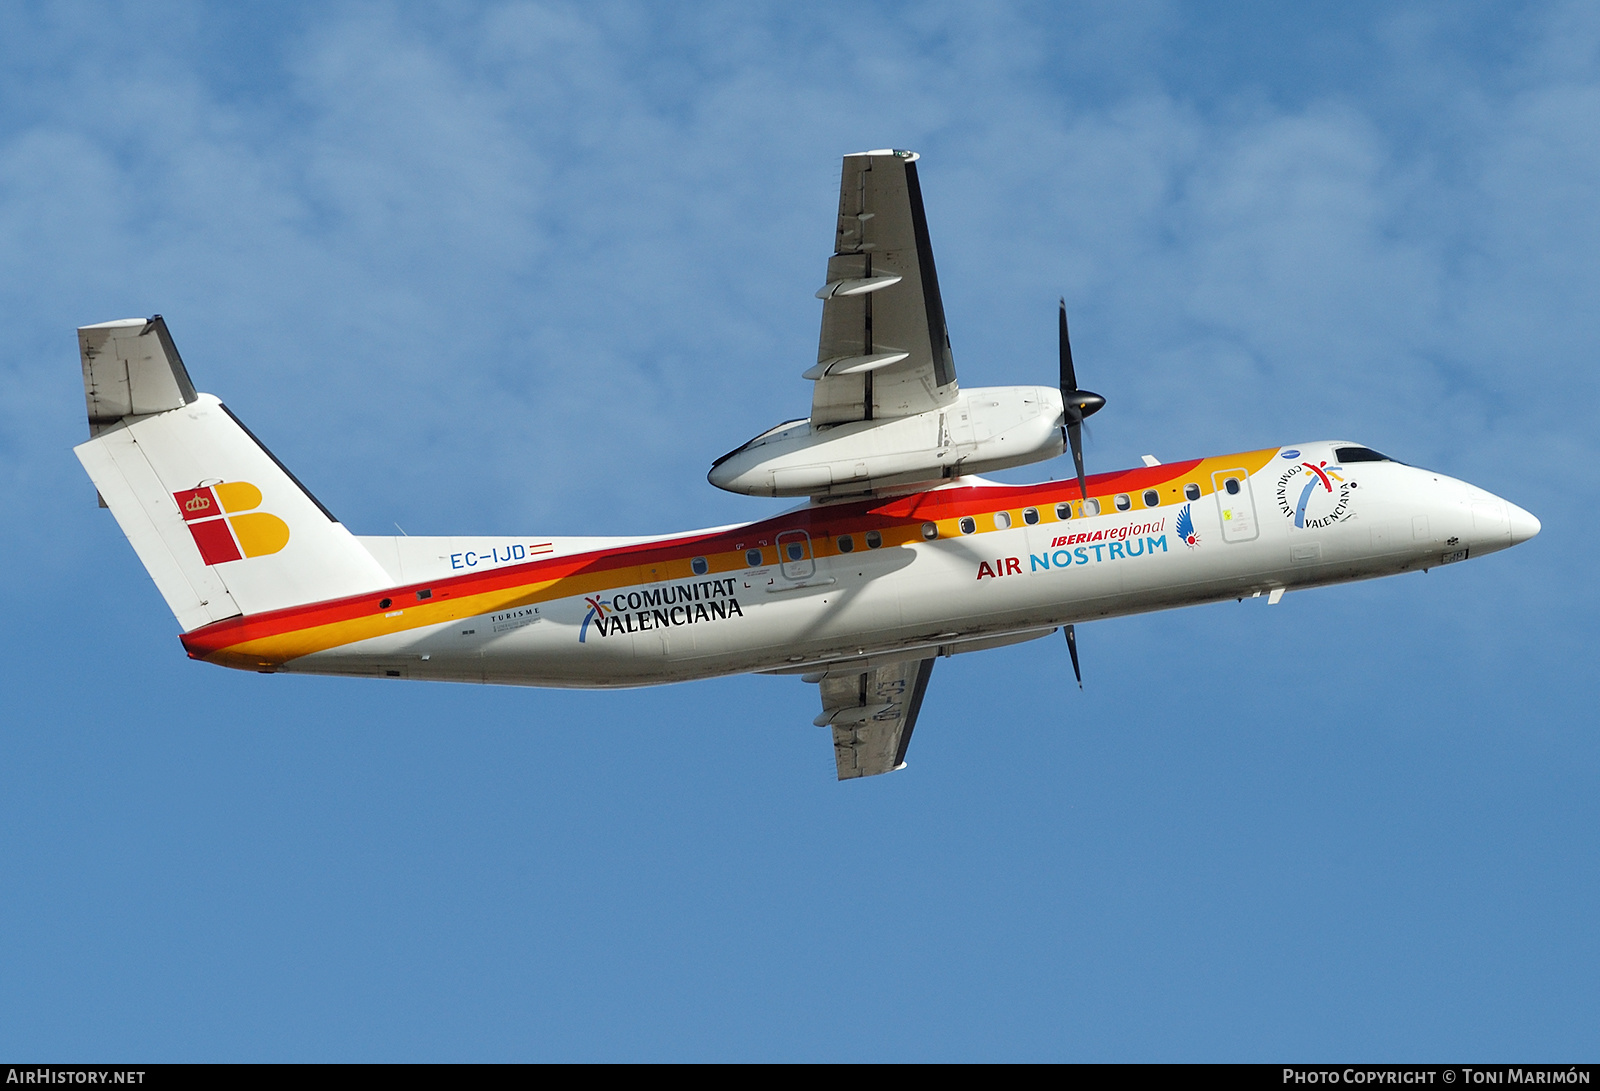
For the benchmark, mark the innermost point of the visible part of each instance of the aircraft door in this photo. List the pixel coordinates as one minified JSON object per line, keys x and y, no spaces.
{"x":1236,"y":505}
{"x":795,"y":560}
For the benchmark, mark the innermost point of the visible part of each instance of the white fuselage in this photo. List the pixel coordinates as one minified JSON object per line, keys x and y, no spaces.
{"x":959,"y":591}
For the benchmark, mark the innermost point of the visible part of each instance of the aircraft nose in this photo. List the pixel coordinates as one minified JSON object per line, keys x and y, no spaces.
{"x":1524,"y":525}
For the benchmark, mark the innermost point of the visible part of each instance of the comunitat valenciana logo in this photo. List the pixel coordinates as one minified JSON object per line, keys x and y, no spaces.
{"x":224,"y":524}
{"x":1314,"y":495}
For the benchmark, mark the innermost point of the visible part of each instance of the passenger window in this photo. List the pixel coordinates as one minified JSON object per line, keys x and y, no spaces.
{"x":700,"y":566}
{"x":1123,"y":502}
{"x":1232,"y":485}
{"x":1064,"y":511}
{"x":1030,"y":516}
{"x":930,"y":531}
{"x":1002,"y":519}
{"x":874,"y":539}
{"x":1151,"y":498}
{"x":795,"y":550}
{"x":1191,"y":491}
{"x":846,"y":544}
{"x":752,"y":557}
{"x":967,"y":524}
{"x":1091,"y":506}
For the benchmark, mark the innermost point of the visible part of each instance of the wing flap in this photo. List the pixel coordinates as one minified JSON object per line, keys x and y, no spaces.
{"x":872,"y":714}
{"x":881,"y":299}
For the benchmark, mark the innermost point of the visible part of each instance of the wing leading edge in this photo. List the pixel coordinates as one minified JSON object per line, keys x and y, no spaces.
{"x":884,"y":350}
{"x":872,"y":714}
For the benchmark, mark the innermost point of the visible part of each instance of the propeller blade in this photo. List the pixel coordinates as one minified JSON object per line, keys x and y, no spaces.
{"x":1069,"y":377}
{"x":1075,"y":440}
{"x":1072,"y":647}
{"x":1076,"y":404}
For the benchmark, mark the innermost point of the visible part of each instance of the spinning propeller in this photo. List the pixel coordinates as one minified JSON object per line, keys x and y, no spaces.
{"x":1076,"y":404}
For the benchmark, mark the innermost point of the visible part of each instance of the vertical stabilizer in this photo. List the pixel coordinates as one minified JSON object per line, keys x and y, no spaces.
{"x":221,"y":526}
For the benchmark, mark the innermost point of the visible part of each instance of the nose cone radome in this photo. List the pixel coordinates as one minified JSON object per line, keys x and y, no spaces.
{"x":1523,"y":524}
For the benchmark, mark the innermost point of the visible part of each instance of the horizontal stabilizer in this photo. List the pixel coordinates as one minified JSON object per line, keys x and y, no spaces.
{"x":131,"y":368}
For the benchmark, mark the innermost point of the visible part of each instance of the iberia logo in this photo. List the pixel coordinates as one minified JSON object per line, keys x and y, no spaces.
{"x":224,"y":525}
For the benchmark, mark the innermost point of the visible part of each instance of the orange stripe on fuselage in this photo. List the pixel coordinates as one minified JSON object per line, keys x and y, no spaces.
{"x":268,"y":640}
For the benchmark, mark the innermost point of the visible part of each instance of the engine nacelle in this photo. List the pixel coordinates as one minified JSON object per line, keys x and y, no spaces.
{"x":986,"y":428}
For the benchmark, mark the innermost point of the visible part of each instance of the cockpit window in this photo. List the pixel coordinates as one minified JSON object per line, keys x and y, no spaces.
{"x":761,"y":439}
{"x":1358,"y":454}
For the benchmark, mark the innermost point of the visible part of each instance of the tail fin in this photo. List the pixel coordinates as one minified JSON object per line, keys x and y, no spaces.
{"x":221,"y":526}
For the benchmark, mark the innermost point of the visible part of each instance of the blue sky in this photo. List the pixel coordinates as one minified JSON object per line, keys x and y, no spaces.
{"x":527,"y":268}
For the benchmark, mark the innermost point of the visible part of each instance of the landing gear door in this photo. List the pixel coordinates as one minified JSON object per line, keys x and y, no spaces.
{"x":1235,"y":505}
{"x":795,"y":560}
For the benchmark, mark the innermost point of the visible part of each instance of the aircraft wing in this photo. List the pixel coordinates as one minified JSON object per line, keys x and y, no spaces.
{"x":884,"y":351}
{"x":872,"y":714}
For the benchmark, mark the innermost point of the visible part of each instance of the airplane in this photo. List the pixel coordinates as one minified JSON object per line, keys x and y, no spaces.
{"x":898,"y":553}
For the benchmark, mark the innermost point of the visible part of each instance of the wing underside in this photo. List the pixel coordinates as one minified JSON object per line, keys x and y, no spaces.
{"x":884,"y":350}
{"x":872,"y":714}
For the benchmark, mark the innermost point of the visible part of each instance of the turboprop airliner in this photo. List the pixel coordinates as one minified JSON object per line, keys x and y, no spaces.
{"x":897,"y":553}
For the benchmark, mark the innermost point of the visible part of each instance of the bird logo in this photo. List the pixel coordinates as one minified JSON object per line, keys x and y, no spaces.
{"x":1186,"y":529}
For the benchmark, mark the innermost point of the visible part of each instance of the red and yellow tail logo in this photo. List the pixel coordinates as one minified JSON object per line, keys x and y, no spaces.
{"x":225,"y":527}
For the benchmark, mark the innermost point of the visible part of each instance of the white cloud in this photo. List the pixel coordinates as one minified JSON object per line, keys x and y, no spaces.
{"x":528,"y":267}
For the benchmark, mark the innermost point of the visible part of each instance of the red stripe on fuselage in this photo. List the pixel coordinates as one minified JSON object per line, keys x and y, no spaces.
{"x":977,"y":499}
{"x":824,"y":521}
